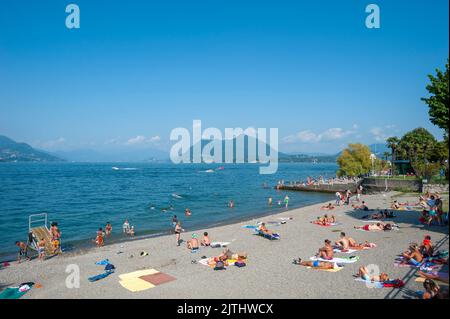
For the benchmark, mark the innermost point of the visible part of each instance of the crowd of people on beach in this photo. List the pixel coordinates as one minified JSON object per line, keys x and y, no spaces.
{"x":422,"y":256}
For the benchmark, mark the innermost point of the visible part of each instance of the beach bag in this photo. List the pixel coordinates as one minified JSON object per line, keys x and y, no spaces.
{"x":219,"y":265}
{"x":109,"y":267}
{"x":240,"y":264}
{"x":397,"y":283}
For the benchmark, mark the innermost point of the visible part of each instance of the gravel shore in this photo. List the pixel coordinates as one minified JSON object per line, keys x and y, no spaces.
{"x":268,"y":274}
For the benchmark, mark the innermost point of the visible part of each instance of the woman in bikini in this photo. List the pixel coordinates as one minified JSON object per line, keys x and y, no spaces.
{"x":177,"y":231}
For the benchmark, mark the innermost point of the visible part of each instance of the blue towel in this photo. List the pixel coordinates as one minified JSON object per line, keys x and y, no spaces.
{"x":101,"y":276}
{"x":104,"y":262}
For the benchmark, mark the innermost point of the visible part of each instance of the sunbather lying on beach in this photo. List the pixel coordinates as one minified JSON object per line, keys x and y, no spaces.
{"x":375,"y":227}
{"x":228,"y":254}
{"x":398,"y":206}
{"x":325,"y":220}
{"x":262,"y":228}
{"x":364,"y":274}
{"x":412,"y":256}
{"x":438,"y":275}
{"x":380,"y":215}
{"x":326,"y":252}
{"x":345,"y":243}
{"x":363,"y":206}
{"x":328,"y":207}
{"x":315,"y":264}
{"x":193,"y":244}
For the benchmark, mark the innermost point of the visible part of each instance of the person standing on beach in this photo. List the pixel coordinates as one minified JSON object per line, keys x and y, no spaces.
{"x":126,"y":227}
{"x":23,"y":251}
{"x":174,"y":220}
{"x":178,"y":230}
{"x":108,"y":229}
{"x":338,"y":199}
{"x":359,"y":193}
{"x":286,"y":201}
{"x":348,"y":194}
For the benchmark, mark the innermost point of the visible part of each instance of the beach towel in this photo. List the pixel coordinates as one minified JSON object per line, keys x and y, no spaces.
{"x":137,"y":274}
{"x":104,"y":262}
{"x":348,"y":251}
{"x":270,"y":237}
{"x":326,"y":225}
{"x":100,"y":276}
{"x":158,"y":278}
{"x":218,"y":244}
{"x":336,"y":269}
{"x":371,"y":284}
{"x":143,"y":279}
{"x":343,"y":260}
{"x":135,"y":284}
{"x":395,"y":283}
{"x":250,"y":226}
{"x":16,"y":292}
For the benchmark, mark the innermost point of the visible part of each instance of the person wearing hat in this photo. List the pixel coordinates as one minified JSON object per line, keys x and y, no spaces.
{"x":193,"y":244}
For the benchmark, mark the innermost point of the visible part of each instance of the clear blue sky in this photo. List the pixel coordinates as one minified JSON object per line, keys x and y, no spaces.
{"x":137,"y":69}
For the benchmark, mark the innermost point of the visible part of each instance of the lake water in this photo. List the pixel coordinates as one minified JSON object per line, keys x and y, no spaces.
{"x":82,"y":197}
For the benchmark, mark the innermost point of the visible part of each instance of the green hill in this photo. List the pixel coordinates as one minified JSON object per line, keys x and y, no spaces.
{"x":11,"y":151}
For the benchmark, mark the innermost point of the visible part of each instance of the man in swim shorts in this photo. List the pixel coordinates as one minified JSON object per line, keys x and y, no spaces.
{"x":326,"y":252}
{"x":315,"y":264}
{"x":343,"y":243}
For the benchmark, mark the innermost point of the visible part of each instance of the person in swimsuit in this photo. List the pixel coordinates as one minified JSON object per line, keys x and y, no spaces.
{"x":426,"y":248}
{"x":126,"y":227}
{"x":174,"y":220}
{"x":193,"y":244}
{"x":286,"y":201}
{"x":262,"y":228}
{"x":326,"y":252}
{"x":413,"y":256}
{"x":99,"y":239}
{"x":315,"y":264}
{"x":438,"y":275}
{"x":328,"y":207}
{"x":23,"y":251}
{"x":371,"y":227}
{"x":41,"y":249}
{"x":206,"y":241}
{"x":364,"y":274}
{"x":187,"y":212}
{"x":177,"y":231}
{"x":343,"y":242}
{"x":270,"y":201}
{"x":108,"y":229}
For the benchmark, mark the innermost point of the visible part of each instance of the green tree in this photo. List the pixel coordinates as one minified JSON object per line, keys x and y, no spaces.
{"x":392,"y":143}
{"x":354,"y":160}
{"x":438,"y":101}
{"x":418,"y":146}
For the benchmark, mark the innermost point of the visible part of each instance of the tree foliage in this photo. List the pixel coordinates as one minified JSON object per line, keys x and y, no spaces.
{"x":354,"y":160}
{"x":438,"y":101}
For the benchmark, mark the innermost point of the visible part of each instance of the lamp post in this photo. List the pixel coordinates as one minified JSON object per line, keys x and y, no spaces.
{"x":373,"y":157}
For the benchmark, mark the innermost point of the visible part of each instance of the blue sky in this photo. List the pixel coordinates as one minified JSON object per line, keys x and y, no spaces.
{"x":137,"y":69}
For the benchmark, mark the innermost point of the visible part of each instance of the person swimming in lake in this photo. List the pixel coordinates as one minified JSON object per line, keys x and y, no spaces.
{"x":187,"y":212}
{"x":206,"y":241}
{"x":270,"y":201}
{"x":315,"y":264}
{"x":108,"y":229}
{"x":231,"y":204}
{"x":193,"y":244}
{"x":326,"y":252}
{"x":132,"y":231}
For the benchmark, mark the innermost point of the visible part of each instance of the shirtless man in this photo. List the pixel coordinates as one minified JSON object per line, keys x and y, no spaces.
{"x":23,"y":251}
{"x":326,"y":252}
{"x":371,"y":227}
{"x":343,"y":243}
{"x":193,"y":243}
{"x":264,"y":229}
{"x":108,"y":229}
{"x":315,"y":264}
{"x":413,"y":255}
{"x":206,"y":241}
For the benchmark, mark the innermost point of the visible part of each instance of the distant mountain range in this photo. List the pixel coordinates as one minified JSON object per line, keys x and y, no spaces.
{"x":11,"y":151}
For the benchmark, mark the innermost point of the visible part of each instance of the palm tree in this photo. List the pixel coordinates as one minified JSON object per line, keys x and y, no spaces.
{"x":392,"y":143}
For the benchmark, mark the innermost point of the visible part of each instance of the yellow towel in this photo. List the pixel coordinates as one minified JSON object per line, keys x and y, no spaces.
{"x":329,"y":270}
{"x":136,"y":284}
{"x":138,"y":273}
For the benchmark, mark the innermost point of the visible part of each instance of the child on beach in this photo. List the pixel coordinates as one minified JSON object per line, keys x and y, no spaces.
{"x":108,"y":229}
{"x":206,"y":241}
{"x":99,"y":239}
{"x":41,"y":249}
{"x":132,"y":231}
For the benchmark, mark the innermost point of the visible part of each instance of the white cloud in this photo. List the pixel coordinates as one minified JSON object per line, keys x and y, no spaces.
{"x":331,"y":134}
{"x":380,"y":134}
{"x":140,"y":140}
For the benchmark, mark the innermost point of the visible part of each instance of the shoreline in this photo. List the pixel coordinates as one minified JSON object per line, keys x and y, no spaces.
{"x":118,"y":238}
{"x":269,"y":263}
